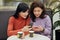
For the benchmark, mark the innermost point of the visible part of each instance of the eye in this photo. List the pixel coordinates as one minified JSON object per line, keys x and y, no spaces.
{"x":34,"y":10}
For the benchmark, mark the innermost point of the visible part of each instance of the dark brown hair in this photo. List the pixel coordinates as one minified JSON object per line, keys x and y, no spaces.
{"x":34,"y":5}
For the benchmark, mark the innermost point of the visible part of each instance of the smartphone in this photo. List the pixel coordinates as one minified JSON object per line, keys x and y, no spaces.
{"x":30,"y":25}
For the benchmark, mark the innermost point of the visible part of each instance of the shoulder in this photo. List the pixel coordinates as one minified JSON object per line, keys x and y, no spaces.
{"x":47,"y":17}
{"x":12,"y":18}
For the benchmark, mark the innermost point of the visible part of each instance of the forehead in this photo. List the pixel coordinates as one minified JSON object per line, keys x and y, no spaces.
{"x":37,"y":8}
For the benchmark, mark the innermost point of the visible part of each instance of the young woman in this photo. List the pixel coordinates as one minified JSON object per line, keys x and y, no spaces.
{"x":41,"y":21}
{"x":19,"y":21}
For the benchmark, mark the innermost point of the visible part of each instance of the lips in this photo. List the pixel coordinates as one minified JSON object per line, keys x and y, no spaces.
{"x":25,"y":16}
{"x":37,"y":15}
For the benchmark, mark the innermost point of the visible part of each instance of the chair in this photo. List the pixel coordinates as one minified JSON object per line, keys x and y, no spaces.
{"x":4,"y":16}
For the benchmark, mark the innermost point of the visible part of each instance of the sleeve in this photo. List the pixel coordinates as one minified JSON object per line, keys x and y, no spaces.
{"x":27,"y":23}
{"x":48,"y":26}
{"x":10,"y":30}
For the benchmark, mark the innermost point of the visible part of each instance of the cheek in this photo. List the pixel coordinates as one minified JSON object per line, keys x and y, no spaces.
{"x":21,"y":15}
{"x":37,"y":13}
{"x":40,"y":12}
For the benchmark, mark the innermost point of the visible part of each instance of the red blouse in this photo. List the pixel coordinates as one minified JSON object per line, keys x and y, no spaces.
{"x":15,"y":25}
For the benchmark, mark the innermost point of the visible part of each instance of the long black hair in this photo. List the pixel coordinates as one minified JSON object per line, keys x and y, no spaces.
{"x":34,"y":5}
{"x":22,"y":7}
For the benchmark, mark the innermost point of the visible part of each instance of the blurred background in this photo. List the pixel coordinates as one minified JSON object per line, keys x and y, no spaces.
{"x":13,"y":3}
{"x":8,"y":7}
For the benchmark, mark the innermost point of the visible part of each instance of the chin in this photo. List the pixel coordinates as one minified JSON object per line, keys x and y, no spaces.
{"x":37,"y":16}
{"x":24,"y":17}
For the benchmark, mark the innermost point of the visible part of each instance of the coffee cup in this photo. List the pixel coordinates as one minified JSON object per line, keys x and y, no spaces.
{"x":20,"y":34}
{"x":31,"y":33}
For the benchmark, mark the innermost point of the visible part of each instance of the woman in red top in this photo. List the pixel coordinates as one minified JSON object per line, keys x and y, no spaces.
{"x":19,"y":21}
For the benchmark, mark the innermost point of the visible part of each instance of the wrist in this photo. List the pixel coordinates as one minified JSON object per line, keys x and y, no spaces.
{"x":43,"y":30}
{"x":22,"y":30}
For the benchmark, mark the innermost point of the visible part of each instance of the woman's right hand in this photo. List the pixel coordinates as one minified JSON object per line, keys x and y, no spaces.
{"x":26,"y":28}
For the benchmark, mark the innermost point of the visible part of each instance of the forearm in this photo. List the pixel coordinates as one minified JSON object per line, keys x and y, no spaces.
{"x":47,"y":31}
{"x":12,"y":32}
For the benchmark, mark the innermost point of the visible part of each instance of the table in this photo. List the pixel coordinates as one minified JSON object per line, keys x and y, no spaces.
{"x":36,"y":37}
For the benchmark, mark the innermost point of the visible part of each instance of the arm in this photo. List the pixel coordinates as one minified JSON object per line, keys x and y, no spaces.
{"x":47,"y":26}
{"x":27,"y":23}
{"x":10,"y":30}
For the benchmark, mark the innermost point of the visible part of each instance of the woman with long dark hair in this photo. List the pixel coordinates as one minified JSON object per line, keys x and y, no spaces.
{"x":19,"y":21}
{"x":41,"y":21}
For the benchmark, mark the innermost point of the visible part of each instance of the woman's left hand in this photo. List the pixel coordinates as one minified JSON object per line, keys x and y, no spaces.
{"x":38,"y":29}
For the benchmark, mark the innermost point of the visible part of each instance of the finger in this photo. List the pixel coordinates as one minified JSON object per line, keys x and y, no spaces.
{"x":39,"y":25}
{"x":30,"y":28}
{"x":23,"y":36}
{"x":35,"y":30}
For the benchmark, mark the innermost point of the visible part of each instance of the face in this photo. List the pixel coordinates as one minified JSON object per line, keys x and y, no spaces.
{"x":37,"y":11}
{"x":23,"y":14}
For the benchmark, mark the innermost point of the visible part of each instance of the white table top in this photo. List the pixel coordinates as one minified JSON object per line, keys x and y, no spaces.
{"x":36,"y":37}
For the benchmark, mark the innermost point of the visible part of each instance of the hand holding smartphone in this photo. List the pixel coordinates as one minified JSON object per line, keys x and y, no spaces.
{"x":30,"y":25}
